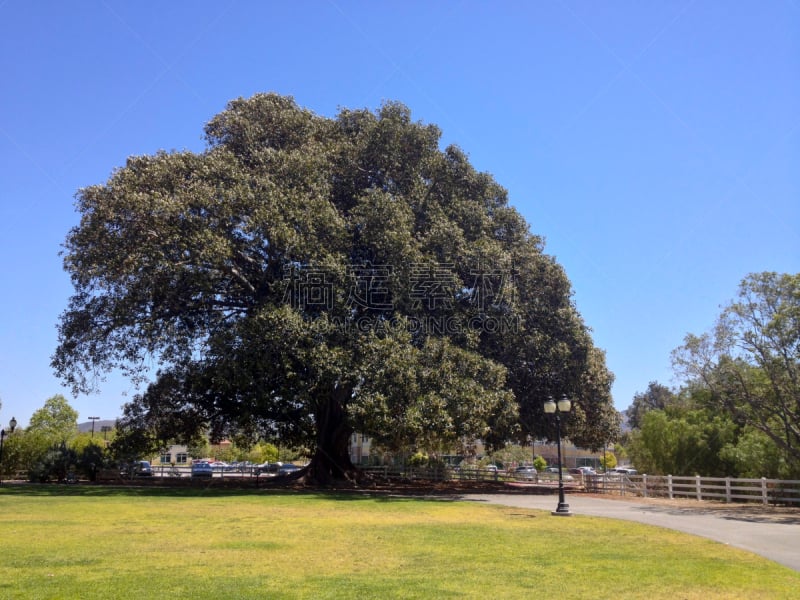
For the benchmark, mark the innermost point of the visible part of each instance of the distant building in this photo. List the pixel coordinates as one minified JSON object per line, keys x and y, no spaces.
{"x":177,"y":454}
{"x":571,"y":455}
{"x":360,"y":449}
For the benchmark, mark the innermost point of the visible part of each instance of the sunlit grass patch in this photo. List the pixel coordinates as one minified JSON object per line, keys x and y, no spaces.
{"x":205,"y":544}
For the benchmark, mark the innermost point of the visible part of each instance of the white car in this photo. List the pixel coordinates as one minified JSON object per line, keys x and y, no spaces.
{"x":625,"y":471}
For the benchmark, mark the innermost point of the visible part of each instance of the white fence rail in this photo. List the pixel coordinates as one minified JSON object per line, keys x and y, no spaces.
{"x":726,"y":489}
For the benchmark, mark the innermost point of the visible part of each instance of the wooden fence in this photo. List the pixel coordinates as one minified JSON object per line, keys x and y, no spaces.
{"x":722,"y":489}
{"x":725,"y":489}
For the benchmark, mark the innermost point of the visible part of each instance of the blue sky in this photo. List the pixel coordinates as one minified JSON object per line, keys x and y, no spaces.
{"x":654,"y":145}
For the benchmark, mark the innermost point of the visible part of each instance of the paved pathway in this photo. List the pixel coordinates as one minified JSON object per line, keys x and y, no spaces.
{"x":773,"y":533}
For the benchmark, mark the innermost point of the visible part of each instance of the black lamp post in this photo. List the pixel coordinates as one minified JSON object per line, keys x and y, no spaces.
{"x":12,"y":424}
{"x":563,"y":405}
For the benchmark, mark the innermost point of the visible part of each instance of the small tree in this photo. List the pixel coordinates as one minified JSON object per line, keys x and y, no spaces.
{"x":620,"y":452}
{"x":54,"y":464}
{"x":608,"y":461}
{"x":263,"y":452}
{"x":39,"y":447}
{"x":56,"y":421}
{"x":539,"y":463}
{"x":13,"y":454}
{"x":90,"y":459}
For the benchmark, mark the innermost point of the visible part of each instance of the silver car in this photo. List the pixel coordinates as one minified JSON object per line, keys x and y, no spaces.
{"x":529,"y":473}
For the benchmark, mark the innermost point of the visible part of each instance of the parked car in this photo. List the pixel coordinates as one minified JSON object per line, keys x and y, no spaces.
{"x":242,"y":466}
{"x":525,"y":473}
{"x":202,"y":469}
{"x":583,"y":471}
{"x":554,"y":471}
{"x":138,"y":468}
{"x":287,"y":469}
{"x":625,"y":471}
{"x":266,"y":468}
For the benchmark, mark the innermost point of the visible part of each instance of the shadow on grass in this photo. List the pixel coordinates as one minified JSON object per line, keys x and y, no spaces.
{"x":203,"y":490}
{"x":102,"y":490}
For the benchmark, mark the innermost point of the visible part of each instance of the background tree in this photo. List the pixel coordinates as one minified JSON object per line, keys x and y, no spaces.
{"x":594,"y":423}
{"x":56,"y":422}
{"x":90,"y":454}
{"x":54,"y":464}
{"x":144,"y":433}
{"x":262,"y":452}
{"x":539,"y":463}
{"x":620,"y":452}
{"x":750,"y":362}
{"x":44,"y":447}
{"x":754,"y":455}
{"x":681,"y":441}
{"x":279,"y":275}
{"x":199,"y":449}
{"x":13,"y":453}
{"x":656,"y":397}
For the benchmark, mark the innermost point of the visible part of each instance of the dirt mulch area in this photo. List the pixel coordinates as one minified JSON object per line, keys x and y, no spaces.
{"x":427,"y":488}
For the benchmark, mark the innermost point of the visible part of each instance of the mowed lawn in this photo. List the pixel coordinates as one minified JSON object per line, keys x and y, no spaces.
{"x":105,"y":542}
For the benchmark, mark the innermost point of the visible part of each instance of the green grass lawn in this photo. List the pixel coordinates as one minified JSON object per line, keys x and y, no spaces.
{"x":105,"y":542}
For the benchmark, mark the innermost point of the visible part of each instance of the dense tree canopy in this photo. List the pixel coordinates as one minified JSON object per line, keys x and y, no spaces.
{"x":306,"y":277}
{"x":682,"y":440}
{"x":749,"y":365}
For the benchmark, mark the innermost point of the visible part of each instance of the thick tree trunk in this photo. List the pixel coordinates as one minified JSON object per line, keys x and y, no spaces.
{"x":331,"y":459}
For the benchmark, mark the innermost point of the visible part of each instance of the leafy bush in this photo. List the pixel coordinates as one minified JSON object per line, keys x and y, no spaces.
{"x":539,"y":463}
{"x":54,"y":465}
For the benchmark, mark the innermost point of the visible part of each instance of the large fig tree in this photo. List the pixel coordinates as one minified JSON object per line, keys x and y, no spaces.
{"x":307,"y":277}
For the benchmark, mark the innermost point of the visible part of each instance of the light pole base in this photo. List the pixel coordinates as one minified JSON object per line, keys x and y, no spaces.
{"x":562,"y":511}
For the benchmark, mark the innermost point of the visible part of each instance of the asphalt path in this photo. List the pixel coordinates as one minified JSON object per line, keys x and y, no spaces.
{"x":773,"y":533}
